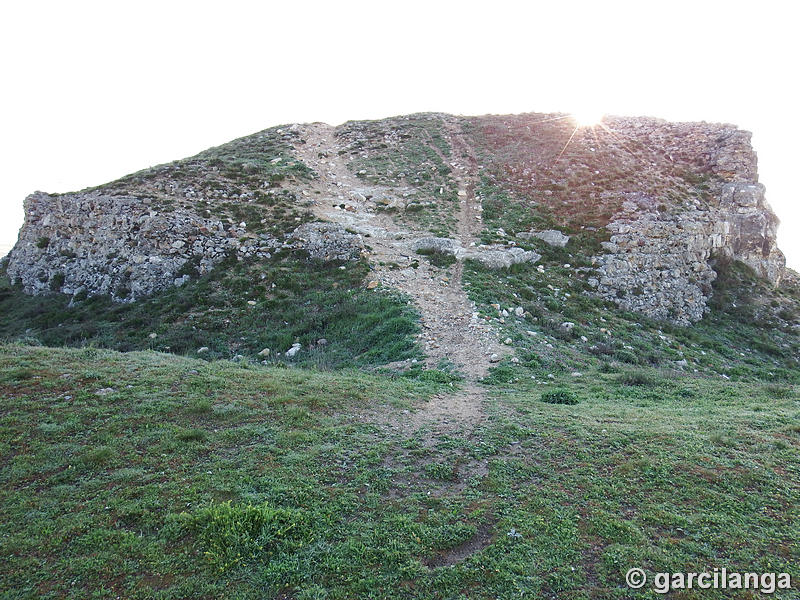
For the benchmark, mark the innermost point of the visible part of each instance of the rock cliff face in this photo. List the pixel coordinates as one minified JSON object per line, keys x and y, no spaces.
{"x":672,"y":197}
{"x":105,"y":244}
{"x":666,"y":199}
{"x":661,"y":254}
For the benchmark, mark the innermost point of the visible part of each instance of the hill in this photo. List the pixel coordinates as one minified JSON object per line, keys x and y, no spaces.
{"x":656,"y":215}
{"x":422,"y":357}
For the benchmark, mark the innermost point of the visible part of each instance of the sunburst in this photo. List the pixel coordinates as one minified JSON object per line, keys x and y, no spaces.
{"x":587,"y":117}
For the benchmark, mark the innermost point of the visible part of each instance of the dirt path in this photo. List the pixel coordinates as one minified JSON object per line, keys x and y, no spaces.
{"x":451,"y":328}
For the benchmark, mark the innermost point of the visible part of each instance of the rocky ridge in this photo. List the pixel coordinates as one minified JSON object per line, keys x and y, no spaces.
{"x":671,"y":199}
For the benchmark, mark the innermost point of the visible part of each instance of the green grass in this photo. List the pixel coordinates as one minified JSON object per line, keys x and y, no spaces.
{"x":733,"y":342}
{"x":438,"y":259}
{"x":194,"y":479}
{"x":294,"y":300}
{"x":560,"y":396}
{"x":241,"y":181}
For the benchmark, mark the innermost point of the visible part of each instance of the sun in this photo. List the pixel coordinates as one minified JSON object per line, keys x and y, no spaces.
{"x":587,"y":117}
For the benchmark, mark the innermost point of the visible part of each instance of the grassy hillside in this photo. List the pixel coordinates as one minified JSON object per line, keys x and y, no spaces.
{"x":240,"y":308}
{"x":147,"y":475}
{"x":752,"y":329}
{"x":411,"y":156}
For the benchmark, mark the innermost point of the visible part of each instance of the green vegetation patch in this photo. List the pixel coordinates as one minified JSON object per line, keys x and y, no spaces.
{"x":560,"y":396}
{"x":247,"y":180}
{"x":564,"y":328}
{"x":240,"y":308}
{"x":438,"y":259}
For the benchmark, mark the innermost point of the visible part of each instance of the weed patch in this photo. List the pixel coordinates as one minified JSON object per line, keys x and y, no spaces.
{"x":561,"y":396}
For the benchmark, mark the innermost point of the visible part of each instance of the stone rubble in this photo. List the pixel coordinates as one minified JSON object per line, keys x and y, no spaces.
{"x":492,"y":256}
{"x":551,"y":237}
{"x":117,"y":245}
{"x":662,"y":264}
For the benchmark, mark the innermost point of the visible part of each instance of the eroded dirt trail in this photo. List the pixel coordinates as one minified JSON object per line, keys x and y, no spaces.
{"x":451,"y":329}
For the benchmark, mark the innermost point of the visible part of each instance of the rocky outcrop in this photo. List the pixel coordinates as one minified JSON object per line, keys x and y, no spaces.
{"x":551,"y":237}
{"x":119,"y":245}
{"x":491,"y":256}
{"x":672,"y":197}
{"x":115,"y":244}
{"x":659,"y":264}
{"x":499,"y":257}
{"x":328,"y":241}
{"x":660,"y":257}
{"x":750,"y":230}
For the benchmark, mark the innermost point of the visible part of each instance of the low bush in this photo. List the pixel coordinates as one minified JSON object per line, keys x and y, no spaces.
{"x":560,"y":396}
{"x":635,"y":378}
{"x":231,"y":535}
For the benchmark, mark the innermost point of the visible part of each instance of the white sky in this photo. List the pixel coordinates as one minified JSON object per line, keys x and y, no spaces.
{"x":94,"y":90}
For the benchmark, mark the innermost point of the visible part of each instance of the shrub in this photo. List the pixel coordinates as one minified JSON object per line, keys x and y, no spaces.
{"x":17,"y":375}
{"x":191,"y":435}
{"x":560,"y":396}
{"x":779,"y":392}
{"x":438,"y":259}
{"x":438,"y":376}
{"x":231,"y":535}
{"x":201,"y":406}
{"x":500,"y":374}
{"x":97,"y":456}
{"x":626,"y":356}
{"x":635,"y":378}
{"x":441,"y":471}
{"x":57,"y":281}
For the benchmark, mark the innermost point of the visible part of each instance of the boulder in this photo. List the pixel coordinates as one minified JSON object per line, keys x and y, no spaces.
{"x":327,"y":241}
{"x":501,"y":258}
{"x":435,"y":244}
{"x":551,"y":237}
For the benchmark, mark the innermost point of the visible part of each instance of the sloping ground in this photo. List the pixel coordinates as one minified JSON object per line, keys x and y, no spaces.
{"x":147,"y":475}
{"x":253,"y":310}
{"x":750,"y":334}
{"x":663,"y":200}
{"x":651,"y":208}
{"x":153,"y":229}
{"x":451,"y":330}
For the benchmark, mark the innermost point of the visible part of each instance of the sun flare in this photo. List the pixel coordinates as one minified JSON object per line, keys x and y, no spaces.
{"x":587,"y":117}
